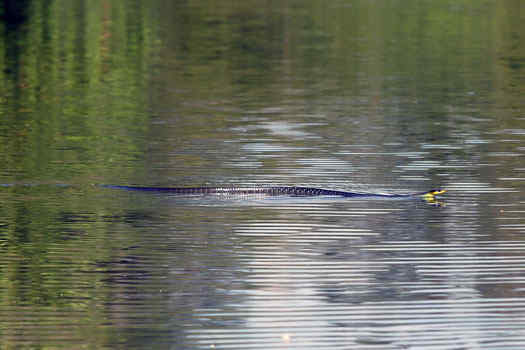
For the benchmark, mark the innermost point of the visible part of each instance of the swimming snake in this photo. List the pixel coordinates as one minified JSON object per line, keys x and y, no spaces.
{"x":271,"y":190}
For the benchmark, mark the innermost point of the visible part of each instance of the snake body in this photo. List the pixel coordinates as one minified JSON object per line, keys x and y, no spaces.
{"x":267,"y":190}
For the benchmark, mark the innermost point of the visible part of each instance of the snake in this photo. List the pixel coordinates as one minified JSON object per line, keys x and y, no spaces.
{"x":272,"y":191}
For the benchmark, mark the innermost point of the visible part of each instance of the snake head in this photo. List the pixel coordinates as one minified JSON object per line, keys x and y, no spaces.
{"x":436,"y":191}
{"x":430,"y":196}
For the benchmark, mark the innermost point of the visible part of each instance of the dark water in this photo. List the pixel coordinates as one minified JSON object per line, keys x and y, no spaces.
{"x":376,"y":96}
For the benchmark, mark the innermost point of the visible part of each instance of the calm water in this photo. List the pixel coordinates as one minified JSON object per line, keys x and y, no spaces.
{"x":378,"y":96}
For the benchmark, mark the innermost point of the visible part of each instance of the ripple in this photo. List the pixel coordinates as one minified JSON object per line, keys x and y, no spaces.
{"x":473,"y":187}
{"x":432,"y":325}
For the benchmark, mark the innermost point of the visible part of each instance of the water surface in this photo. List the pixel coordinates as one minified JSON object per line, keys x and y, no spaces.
{"x":383,"y":97}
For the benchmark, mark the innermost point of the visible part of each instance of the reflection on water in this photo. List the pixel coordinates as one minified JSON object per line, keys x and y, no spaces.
{"x":355,"y":96}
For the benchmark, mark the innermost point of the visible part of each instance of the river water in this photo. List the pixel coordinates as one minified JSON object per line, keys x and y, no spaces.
{"x":368,"y":96}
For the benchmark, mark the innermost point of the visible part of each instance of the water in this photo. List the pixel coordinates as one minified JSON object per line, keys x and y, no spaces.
{"x":374,"y":96}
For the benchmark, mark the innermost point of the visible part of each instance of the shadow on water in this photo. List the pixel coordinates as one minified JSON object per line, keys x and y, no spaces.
{"x":13,"y":16}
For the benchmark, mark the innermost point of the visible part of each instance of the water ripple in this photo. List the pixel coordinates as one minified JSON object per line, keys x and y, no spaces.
{"x":449,"y":324}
